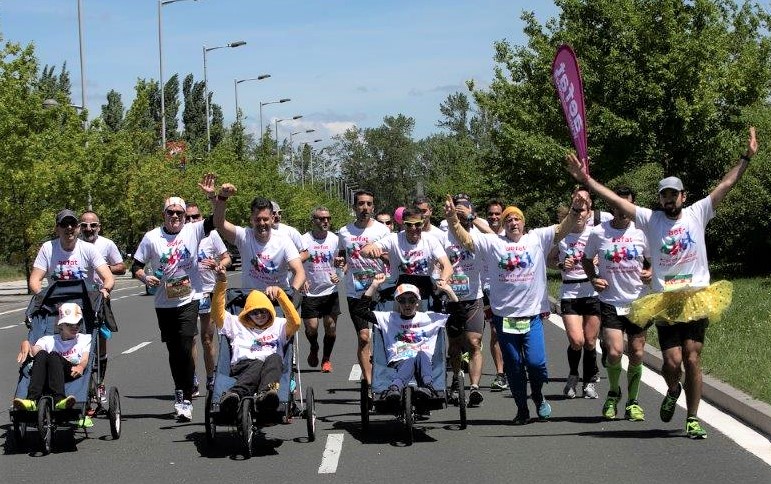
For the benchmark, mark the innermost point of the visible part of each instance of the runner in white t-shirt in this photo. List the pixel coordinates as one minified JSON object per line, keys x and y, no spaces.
{"x":518,"y":297}
{"x":620,"y":276}
{"x":679,"y":264}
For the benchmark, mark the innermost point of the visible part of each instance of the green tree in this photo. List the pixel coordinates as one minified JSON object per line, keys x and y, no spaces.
{"x":217,"y":127}
{"x":194,"y":113}
{"x":52,"y":85}
{"x":112,"y":112}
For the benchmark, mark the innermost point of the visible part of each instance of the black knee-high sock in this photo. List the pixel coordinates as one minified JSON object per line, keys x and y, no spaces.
{"x":329,"y":343}
{"x":590,"y":364}
{"x":574,"y":357}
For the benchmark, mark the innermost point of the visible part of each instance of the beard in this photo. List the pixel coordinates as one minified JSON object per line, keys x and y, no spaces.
{"x":673,"y":211}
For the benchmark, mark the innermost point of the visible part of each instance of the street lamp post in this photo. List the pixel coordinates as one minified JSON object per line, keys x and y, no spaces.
{"x":283,"y":100}
{"x":280,"y":120}
{"x":206,"y":86}
{"x":161,"y":3}
{"x":236,"y":82}
{"x":291,"y":146}
{"x":313,"y":181}
{"x":302,"y":162}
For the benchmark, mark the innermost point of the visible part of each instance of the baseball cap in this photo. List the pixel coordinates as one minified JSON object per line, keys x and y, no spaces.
{"x":174,"y":201}
{"x":69,"y":313}
{"x":398,"y":215}
{"x":404,"y":289}
{"x":66,"y":213}
{"x":671,"y":182}
{"x":276,"y":207}
{"x":461,"y":199}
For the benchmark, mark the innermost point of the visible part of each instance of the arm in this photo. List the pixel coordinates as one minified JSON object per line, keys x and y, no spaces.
{"x":446,"y":270}
{"x":225,"y":260}
{"x":298,"y":281}
{"x":290,"y":313}
{"x":598,"y":283}
{"x":567,"y":224}
{"x":218,"y":300}
{"x":371,"y":251}
{"x":24,"y":351}
{"x":36,"y":280}
{"x":108,"y":281}
{"x":574,"y":168}
{"x":453,"y":224}
{"x":734,"y":174}
{"x":219,"y":201}
{"x":447,"y":289}
{"x":118,"y":269}
{"x":77,"y":370}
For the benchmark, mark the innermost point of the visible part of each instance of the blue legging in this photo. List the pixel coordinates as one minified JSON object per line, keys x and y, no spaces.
{"x":520,"y":350}
{"x":418,"y":366}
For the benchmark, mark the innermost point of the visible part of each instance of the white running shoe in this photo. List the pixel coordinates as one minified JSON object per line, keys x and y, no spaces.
{"x":185,"y":411}
{"x":570,"y":386}
{"x":590,"y":390}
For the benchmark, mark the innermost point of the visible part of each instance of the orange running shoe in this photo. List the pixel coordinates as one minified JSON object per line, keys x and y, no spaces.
{"x":326,"y":366}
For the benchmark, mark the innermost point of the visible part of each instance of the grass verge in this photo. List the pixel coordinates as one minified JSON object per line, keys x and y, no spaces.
{"x":11,"y":273}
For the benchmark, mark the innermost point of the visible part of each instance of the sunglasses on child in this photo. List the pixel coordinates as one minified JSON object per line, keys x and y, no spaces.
{"x":407,"y":300}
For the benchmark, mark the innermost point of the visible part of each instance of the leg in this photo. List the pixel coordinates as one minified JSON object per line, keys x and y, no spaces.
{"x":591,"y":329}
{"x":364,"y":354}
{"x":476,"y":359}
{"x":534,"y":350}
{"x":207,"y":342}
{"x":424,"y":370}
{"x":39,"y":376}
{"x":102,"y":357}
{"x":575,"y":332}
{"x":499,"y":382}
{"x":247,"y":374}
{"x":405,"y":371}
{"x":312,"y":333}
{"x":511,"y":349}
{"x":330,"y":336}
{"x":693,"y":377}
{"x":181,"y":364}
{"x":270,"y":374}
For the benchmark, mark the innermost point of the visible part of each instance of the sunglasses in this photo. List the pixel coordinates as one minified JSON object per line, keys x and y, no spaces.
{"x":407,"y":300}
{"x":71,"y":326}
{"x":387,"y":222}
{"x":413,"y":224}
{"x":92,"y":225}
{"x":323,"y":219}
{"x":178,"y":213}
{"x":66,"y":224}
{"x":195,"y":216}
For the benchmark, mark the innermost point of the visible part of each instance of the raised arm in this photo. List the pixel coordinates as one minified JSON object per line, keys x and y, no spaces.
{"x":218,"y":299}
{"x":219,"y":203}
{"x":290,"y":313}
{"x":453,"y":224}
{"x":567,"y":223}
{"x":574,"y":167}
{"x":735,"y":173}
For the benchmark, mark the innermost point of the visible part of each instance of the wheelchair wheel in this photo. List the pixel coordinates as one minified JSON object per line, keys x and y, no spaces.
{"x":462,"y":399}
{"x":45,"y":424}
{"x":310,"y":414}
{"x":409,"y":414}
{"x":19,"y":433}
{"x":245,"y":427}
{"x":364,"y":406}
{"x":211,"y":429}
{"x":113,"y":412}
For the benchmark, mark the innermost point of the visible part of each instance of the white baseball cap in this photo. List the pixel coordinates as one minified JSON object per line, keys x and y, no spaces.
{"x":671,"y":182}
{"x":70,"y":313}
{"x":405,"y":288}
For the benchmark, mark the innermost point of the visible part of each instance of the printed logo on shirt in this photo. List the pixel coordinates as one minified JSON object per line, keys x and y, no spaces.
{"x":617,"y":255}
{"x":677,"y":242}
{"x":414,"y":267}
{"x":515,"y":261}
{"x":67,"y":270}
{"x":263,"y":264}
{"x":174,"y":255}
{"x":258,"y":344}
{"x":321,"y":257}
{"x":354,"y":250}
{"x":457,"y":253}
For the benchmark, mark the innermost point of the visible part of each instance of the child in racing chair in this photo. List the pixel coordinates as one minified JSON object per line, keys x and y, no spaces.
{"x":257,"y":338}
{"x":409,"y":336}
{"x":57,"y":359}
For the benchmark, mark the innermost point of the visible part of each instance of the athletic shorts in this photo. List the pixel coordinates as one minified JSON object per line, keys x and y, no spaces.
{"x":178,"y":322}
{"x":204,"y":304}
{"x":612,"y":320}
{"x":319,"y":306}
{"x":470,"y":318}
{"x":675,"y":335}
{"x":581,"y":306}
{"x":358,"y":323}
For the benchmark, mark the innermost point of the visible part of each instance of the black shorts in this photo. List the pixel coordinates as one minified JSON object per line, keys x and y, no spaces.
{"x":470,"y":319}
{"x":319,"y":306}
{"x":358,"y":323}
{"x":581,"y":306}
{"x":178,"y":322}
{"x":611,"y":320}
{"x":675,"y":335}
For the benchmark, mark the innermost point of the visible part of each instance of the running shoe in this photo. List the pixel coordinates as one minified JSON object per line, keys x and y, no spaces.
{"x":268,"y":400}
{"x":196,"y":390}
{"x":570,"y":386}
{"x":634,"y":412}
{"x":102,"y":393}
{"x":500,"y":383}
{"x":596,"y":378}
{"x":326,"y":366}
{"x":475,"y":397}
{"x":590,"y":390}
{"x":24,"y":404}
{"x":313,"y":358}
{"x":694,"y":429}
{"x":85,"y":422}
{"x":454,"y":391}
{"x":544,"y":410}
{"x":610,"y":407}
{"x":185,"y":411}
{"x":427,"y":392}
{"x":393,"y":394}
{"x":523,"y":417}
{"x":65,"y":403}
{"x":178,"y":399}
{"x":669,"y":404}
{"x":229,"y":403}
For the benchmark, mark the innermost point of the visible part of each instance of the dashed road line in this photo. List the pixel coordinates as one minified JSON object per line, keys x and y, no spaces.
{"x":331,"y":456}
{"x":137,"y":347}
{"x":355,"y":374}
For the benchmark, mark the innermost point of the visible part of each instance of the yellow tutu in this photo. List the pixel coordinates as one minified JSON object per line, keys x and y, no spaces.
{"x":683,"y":306}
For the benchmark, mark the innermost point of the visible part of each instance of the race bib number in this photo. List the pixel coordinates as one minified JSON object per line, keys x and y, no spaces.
{"x":178,"y":287}
{"x":677,"y":282}
{"x":516,"y":325}
{"x":460,"y":284}
{"x":623,"y":310}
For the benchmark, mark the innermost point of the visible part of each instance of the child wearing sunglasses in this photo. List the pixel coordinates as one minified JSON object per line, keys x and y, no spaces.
{"x":409,"y":336}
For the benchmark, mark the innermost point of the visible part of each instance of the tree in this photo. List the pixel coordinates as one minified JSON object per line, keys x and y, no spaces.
{"x":217,"y":127}
{"x":112,"y":112}
{"x":51,"y":85}
{"x":194,"y":112}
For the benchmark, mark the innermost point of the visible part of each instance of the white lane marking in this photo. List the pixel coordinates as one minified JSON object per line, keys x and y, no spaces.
{"x":13,"y":311}
{"x":332,"y":453}
{"x":355,"y":374}
{"x":744,"y":436}
{"x":10,"y":326}
{"x":137,"y":347}
{"x":128,"y":295}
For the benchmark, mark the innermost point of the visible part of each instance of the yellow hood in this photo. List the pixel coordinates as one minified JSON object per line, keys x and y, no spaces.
{"x":257,"y":300}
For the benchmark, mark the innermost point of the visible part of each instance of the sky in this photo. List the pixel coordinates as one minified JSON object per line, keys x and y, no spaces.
{"x":342,"y":63}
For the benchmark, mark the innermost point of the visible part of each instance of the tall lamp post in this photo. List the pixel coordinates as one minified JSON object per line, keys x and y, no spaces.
{"x":161,"y":3}
{"x":291,"y":146}
{"x":238,"y":43}
{"x":236,"y":82}
{"x":284,"y":119}
{"x":283,"y":100}
{"x":302,"y":163}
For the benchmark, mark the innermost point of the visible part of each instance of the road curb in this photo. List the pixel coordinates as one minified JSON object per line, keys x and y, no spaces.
{"x":751,"y":411}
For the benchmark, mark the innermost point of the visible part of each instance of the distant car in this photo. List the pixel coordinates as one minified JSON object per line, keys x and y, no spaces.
{"x":235,"y":256}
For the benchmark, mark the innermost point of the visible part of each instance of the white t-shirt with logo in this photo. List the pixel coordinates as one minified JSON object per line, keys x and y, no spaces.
{"x":517,"y":271}
{"x":63,"y":265}
{"x":265,"y":264}
{"x":109,"y":251}
{"x":175,"y":255}
{"x":467,"y":269}
{"x":361,"y":270}
{"x":411,"y":259}
{"x":254,"y":344}
{"x":293,"y":234}
{"x":71,"y":349}
{"x":211,"y":247}
{"x":573,"y":246}
{"x":678,"y":251}
{"x":620,"y":253}
{"x":320,"y":266}
{"x":405,"y":338}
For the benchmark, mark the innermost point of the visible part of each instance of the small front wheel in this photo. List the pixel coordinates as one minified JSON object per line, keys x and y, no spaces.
{"x":113,"y":412}
{"x":45,"y":425}
{"x":310,"y":414}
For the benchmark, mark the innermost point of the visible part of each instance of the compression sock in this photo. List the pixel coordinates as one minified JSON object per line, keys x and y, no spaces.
{"x":614,"y":375}
{"x":574,"y":357}
{"x":590,"y":364}
{"x":633,"y":376}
